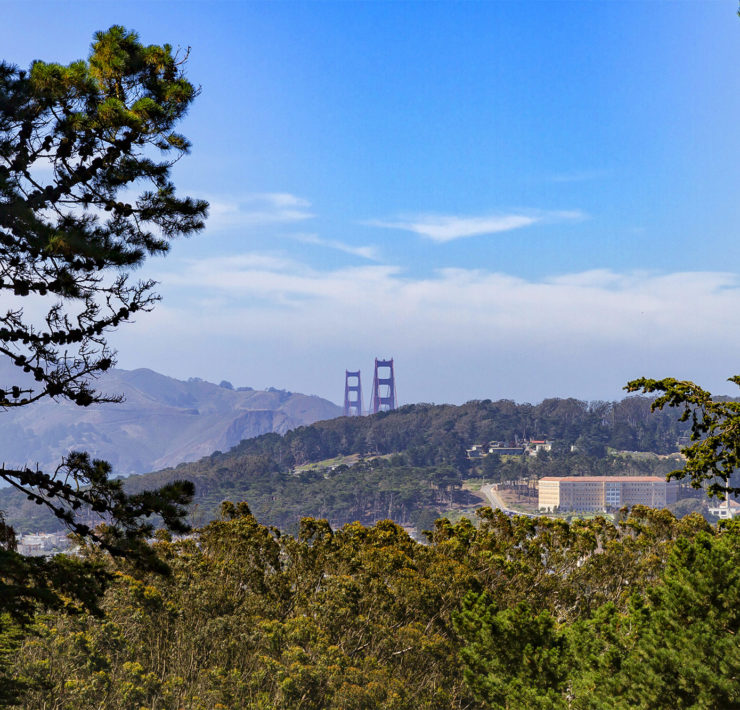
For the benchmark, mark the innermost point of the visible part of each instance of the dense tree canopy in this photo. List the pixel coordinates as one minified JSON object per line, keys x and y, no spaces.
{"x":505,"y":613}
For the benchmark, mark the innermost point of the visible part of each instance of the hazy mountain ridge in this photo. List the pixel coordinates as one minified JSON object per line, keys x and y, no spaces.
{"x":162,"y":422}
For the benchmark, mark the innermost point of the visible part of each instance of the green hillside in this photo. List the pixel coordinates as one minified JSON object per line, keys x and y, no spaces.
{"x":408,"y":465}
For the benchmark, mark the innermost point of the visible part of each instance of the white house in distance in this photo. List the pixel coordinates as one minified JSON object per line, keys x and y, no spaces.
{"x":534,"y":446}
{"x":501,"y":448}
{"x":725,"y":509}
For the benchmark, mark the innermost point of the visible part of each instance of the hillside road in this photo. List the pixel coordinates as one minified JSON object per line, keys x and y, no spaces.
{"x":490,"y":492}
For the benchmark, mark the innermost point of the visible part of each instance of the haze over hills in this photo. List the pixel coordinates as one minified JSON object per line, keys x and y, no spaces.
{"x":162,"y":422}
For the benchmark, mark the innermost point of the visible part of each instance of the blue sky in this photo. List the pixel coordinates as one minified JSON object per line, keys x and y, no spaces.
{"x":512,"y":199}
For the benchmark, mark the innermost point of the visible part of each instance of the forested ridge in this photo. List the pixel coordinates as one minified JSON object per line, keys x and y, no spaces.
{"x":409,"y":464}
{"x":437,"y":434}
{"x":516,"y":614}
{"x":413,"y":460}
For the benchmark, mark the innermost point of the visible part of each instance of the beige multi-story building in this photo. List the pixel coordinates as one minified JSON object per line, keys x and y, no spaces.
{"x":604,"y":492}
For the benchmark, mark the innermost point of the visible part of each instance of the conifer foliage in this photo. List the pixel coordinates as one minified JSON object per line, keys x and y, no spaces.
{"x":86,"y":151}
{"x":713,"y":458}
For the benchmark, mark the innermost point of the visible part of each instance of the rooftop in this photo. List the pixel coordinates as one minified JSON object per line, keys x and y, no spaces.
{"x":600,"y":479}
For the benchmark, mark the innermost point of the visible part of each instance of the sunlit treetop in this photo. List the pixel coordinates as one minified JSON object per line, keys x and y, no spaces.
{"x":85,"y":194}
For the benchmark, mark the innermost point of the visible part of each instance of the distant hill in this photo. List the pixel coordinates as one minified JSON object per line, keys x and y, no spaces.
{"x":409,"y":465}
{"x":162,"y":422}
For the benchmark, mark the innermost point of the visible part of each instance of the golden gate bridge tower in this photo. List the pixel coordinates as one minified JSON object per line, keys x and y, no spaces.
{"x":352,"y":394}
{"x":384,"y":387}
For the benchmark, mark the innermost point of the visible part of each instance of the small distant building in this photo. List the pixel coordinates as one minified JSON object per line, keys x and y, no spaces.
{"x":726,"y":509}
{"x":499,"y":448}
{"x":42,"y":544}
{"x":534,"y":446}
{"x":603,"y":493}
{"x":477,"y":451}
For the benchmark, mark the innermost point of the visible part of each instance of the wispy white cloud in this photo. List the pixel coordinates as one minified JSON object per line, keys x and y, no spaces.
{"x":446,"y":228}
{"x":272,"y":280}
{"x":491,"y":334}
{"x":599,"y":303}
{"x":366,"y":252}
{"x":267,"y":208}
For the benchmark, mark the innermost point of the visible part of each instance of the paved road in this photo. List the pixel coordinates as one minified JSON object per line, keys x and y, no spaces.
{"x":493,"y":497}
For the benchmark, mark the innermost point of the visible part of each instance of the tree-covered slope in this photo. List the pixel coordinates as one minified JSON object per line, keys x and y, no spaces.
{"x":413,"y":460}
{"x":408,"y":465}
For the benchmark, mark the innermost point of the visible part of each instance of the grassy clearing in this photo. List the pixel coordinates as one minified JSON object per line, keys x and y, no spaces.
{"x":327,"y":464}
{"x":646,"y":456}
{"x":473,"y":484}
